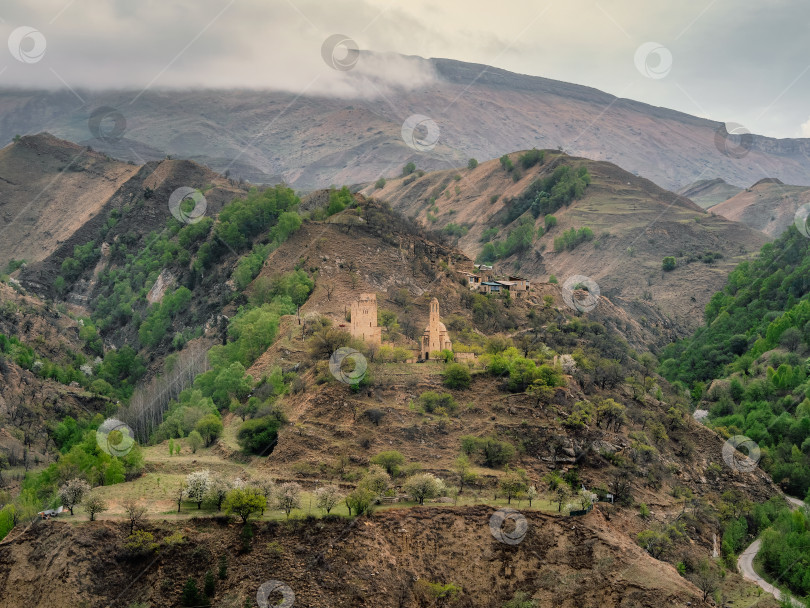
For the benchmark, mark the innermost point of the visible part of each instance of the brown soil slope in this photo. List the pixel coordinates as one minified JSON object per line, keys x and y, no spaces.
{"x":635,"y":223}
{"x":709,"y":192}
{"x":143,"y":204}
{"x":562,"y":562}
{"x":50,"y":188}
{"x":769,"y":206}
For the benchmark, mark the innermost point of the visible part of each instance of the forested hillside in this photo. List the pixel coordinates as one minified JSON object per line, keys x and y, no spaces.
{"x":756,"y":340}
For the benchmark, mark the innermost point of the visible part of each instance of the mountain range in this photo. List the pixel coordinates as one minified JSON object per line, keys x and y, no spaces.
{"x":477,"y":111}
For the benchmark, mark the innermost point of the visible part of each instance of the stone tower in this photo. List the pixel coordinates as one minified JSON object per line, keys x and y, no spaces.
{"x":364,"y":319}
{"x":435,"y":337}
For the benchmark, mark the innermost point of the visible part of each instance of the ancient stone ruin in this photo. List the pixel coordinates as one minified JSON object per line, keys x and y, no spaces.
{"x":364,"y":319}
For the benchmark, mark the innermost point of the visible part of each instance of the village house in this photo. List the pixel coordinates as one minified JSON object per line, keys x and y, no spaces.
{"x":473,"y":280}
{"x":489,"y":287}
{"x":516,"y":286}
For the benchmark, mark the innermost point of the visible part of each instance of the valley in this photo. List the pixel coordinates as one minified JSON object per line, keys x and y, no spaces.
{"x":212,"y":345}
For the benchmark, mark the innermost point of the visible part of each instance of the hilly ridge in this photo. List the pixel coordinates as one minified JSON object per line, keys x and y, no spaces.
{"x":635,"y":225}
{"x":769,"y":206}
{"x":315,"y":141}
{"x":709,"y":192}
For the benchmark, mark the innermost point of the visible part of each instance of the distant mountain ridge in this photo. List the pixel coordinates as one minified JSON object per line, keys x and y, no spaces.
{"x":313,"y":141}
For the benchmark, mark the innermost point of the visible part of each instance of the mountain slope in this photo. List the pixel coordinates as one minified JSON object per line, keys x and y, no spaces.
{"x":635,"y":225}
{"x":709,"y":192}
{"x":369,"y":562}
{"x":49,"y":188}
{"x":314,"y":141}
{"x":600,"y":417}
{"x":769,"y":206}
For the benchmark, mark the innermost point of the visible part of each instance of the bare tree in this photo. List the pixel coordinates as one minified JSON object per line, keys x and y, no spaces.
{"x":180,"y":494}
{"x":150,"y":401}
{"x":705,"y":578}
{"x":136,"y":513}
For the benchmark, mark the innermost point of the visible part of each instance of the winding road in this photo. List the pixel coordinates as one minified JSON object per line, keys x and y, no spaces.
{"x":746,"y":563}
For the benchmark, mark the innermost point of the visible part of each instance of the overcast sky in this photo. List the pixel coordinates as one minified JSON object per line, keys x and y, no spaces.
{"x":743,"y":61}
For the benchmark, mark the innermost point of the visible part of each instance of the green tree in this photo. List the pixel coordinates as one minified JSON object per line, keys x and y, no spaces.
{"x":513,"y":483}
{"x":259,"y":435}
{"x":376,"y":480}
{"x":244,"y":502}
{"x":210,"y":428}
{"x":472,"y":163}
{"x":195,"y":441}
{"x":457,"y":376}
{"x":463,"y":468}
{"x":210,"y":584}
{"x":360,"y":501}
{"x":669,"y":263}
{"x":93,"y":505}
{"x":423,"y":486}
{"x":391,"y":461}
{"x":408,"y":169}
{"x":191,"y":595}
